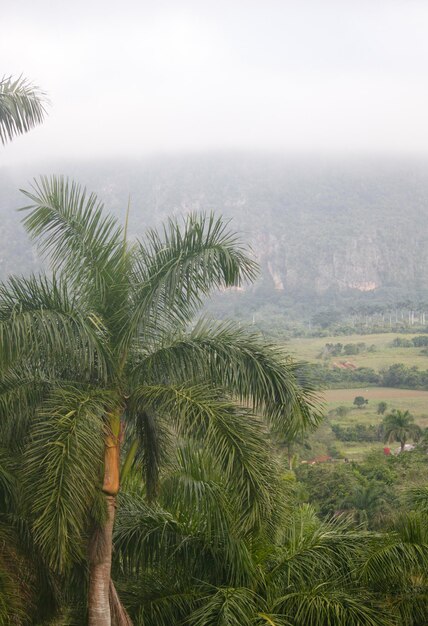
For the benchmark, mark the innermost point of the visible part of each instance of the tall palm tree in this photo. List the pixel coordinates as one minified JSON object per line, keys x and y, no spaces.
{"x":399,"y":426}
{"x":22,"y":106}
{"x":102,"y":365}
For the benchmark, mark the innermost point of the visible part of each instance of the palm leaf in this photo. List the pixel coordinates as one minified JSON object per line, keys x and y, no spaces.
{"x":233,"y":437}
{"x":176,"y":269}
{"x":63,"y":470}
{"x":320,"y":605}
{"x":242,"y":363}
{"x":71,"y":228}
{"x":22,"y":106}
{"x":195,"y":492}
{"x":159,"y":599}
{"x":39,"y":318}
{"x":145,"y":535}
{"x":21,"y":391}
{"x":311,"y":550}
{"x":397,"y":557}
{"x":149,"y":443}
{"x":228,"y":607}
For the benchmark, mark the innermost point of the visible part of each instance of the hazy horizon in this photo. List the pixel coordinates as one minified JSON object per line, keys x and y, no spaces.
{"x":128,"y":81}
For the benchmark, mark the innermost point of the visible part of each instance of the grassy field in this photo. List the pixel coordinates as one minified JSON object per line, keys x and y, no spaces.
{"x":383,"y":355}
{"x":411,"y":400}
{"x":308,"y":349}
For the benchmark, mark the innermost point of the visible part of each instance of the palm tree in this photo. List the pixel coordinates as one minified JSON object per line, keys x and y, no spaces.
{"x":103,"y":356}
{"x":398,"y":426}
{"x":396,"y":568}
{"x":22,"y":106}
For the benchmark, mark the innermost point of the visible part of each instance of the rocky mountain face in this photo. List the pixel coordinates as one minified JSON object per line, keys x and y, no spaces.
{"x":315,"y":226}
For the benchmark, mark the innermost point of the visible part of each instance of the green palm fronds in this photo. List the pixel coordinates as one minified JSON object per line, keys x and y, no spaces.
{"x":22,"y":106}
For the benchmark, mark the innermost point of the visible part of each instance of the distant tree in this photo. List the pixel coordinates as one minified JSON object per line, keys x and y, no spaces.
{"x":420,"y":341}
{"x":399,"y":427}
{"x":381,"y":408}
{"x":360,"y":401}
{"x":324,"y":319}
{"x":342,"y":411}
{"x":22,"y":106}
{"x":352,"y":348}
{"x":365,"y":501}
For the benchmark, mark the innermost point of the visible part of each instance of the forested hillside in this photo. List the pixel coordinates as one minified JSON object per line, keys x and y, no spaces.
{"x":348,"y":230}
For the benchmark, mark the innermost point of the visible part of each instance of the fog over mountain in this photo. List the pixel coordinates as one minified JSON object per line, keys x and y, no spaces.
{"x":304,"y":122}
{"x":317,"y":227}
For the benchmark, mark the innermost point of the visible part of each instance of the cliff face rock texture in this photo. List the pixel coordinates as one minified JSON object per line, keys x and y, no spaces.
{"x":314,"y":226}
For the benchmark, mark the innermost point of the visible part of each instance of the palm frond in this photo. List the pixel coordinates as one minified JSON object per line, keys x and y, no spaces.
{"x":227,"y":606}
{"x":184,"y":533}
{"x":70,"y":226}
{"x":195,"y":492}
{"x":398,"y":558}
{"x":232,"y":436}
{"x":39,"y":318}
{"x":21,"y":392}
{"x":159,"y":599}
{"x":145,"y":535}
{"x":22,"y":106}
{"x":176,"y":269}
{"x":8,"y":484}
{"x":418,"y":497}
{"x":62,"y":471}
{"x":254,"y":372}
{"x":149,"y":442}
{"x":322,"y":605}
{"x":311,"y":550}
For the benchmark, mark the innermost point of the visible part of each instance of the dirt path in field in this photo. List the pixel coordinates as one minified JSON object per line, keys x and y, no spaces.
{"x":373,"y":393}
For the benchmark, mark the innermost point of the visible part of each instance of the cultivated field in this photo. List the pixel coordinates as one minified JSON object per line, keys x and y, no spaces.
{"x":308,"y":349}
{"x":411,"y":400}
{"x":415,"y":401}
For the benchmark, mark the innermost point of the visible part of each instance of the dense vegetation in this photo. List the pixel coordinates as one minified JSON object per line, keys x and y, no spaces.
{"x":396,"y":375}
{"x":373,"y":491}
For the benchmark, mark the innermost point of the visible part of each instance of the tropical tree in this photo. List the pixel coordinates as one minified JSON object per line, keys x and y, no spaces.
{"x":360,"y":401}
{"x":398,"y":426}
{"x":366,"y":503}
{"x":103,"y":368}
{"x":381,"y":407}
{"x":396,"y":568}
{"x":22,"y":106}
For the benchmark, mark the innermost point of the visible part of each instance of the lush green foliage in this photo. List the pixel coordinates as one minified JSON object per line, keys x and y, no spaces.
{"x":374,"y":490}
{"x":396,"y":375}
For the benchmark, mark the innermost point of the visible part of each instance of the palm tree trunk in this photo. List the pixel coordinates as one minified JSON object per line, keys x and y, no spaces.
{"x":99,"y":613}
{"x":100,"y":570}
{"x":119,"y":616}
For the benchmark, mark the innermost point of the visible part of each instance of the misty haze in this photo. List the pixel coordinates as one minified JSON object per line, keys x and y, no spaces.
{"x":214,"y":313}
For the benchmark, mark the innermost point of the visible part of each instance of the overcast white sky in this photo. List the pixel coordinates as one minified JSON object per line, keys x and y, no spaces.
{"x":132,"y":77}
